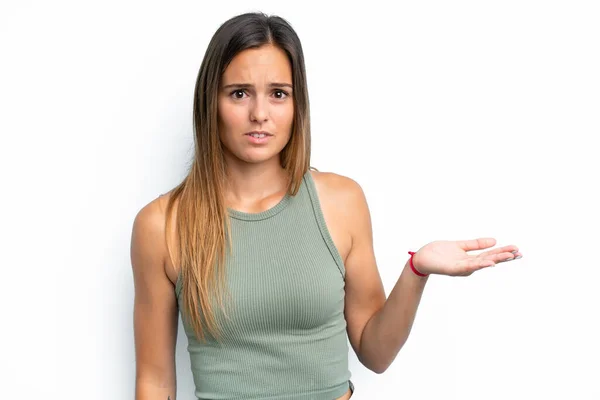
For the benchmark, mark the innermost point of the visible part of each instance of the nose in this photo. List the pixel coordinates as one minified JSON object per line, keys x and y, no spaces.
{"x":259,"y":111}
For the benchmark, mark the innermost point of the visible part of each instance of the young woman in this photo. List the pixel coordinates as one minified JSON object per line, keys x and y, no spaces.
{"x":269,"y":261}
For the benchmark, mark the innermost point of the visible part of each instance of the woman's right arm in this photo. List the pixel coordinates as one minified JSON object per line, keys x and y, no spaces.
{"x":155,"y":313}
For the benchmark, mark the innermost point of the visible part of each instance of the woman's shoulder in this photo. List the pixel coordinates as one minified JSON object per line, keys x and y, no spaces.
{"x":150,"y":227}
{"x":334,"y":186}
{"x":343,"y":205}
{"x":152,"y":214}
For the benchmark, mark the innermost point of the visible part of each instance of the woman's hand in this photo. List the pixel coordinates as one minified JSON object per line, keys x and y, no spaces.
{"x":445,"y":257}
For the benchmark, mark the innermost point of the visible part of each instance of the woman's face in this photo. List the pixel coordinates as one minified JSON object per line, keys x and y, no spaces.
{"x":256,"y":96}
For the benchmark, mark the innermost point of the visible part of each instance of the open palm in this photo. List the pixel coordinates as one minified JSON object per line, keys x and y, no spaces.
{"x":446,"y":257}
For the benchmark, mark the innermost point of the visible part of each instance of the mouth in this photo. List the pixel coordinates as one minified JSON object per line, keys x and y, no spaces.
{"x":258,"y":134}
{"x":258,"y":137}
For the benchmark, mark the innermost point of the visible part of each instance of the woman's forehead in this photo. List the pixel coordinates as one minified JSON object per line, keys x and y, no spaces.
{"x":265,"y":64}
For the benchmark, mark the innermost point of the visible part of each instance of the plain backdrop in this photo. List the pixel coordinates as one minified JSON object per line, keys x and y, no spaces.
{"x":459,"y":119}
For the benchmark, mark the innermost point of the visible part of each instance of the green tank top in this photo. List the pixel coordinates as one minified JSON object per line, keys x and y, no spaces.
{"x":285,"y":335}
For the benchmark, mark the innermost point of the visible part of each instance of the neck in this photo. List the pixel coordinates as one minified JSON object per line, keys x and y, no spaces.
{"x":249,"y":183}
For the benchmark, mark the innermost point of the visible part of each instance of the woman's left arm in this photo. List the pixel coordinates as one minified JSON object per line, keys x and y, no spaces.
{"x":378,"y":328}
{"x":387,"y":330}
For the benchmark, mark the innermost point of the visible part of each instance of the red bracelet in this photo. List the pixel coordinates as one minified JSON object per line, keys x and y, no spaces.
{"x":412,"y":266}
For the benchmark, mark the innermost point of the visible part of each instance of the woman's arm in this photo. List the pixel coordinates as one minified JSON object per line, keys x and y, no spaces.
{"x":377,"y":327}
{"x":387,"y":330}
{"x":155,"y":312}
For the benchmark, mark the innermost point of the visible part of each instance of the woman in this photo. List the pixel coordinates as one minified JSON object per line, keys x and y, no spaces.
{"x":270,"y":262}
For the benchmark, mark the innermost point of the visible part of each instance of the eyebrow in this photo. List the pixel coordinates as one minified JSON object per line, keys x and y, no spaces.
{"x":249,"y":85}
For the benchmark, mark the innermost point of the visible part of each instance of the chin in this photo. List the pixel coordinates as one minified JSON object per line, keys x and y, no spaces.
{"x":256,"y":158}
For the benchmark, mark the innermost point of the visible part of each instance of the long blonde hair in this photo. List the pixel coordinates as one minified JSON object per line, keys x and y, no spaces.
{"x":202,"y":222}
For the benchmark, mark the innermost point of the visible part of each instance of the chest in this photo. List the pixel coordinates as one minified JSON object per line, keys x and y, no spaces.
{"x":336,"y":224}
{"x":280,"y":278}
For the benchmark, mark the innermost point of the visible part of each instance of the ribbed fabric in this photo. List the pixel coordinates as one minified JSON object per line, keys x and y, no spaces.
{"x":285,"y":335}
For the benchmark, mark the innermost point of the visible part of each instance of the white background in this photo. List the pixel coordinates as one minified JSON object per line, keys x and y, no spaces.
{"x":459,"y":119}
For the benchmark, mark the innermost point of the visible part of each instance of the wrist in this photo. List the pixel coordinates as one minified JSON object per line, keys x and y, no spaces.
{"x":414,"y":265}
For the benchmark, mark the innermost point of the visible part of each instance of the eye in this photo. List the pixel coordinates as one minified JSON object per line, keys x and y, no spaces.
{"x":280,"y":94}
{"x":238,"y":93}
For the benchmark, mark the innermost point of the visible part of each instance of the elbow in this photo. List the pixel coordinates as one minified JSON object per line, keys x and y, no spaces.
{"x":379,"y":369}
{"x":378,"y":363}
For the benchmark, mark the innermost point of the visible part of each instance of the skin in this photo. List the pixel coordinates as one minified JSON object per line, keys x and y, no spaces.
{"x":256,"y":180}
{"x":377,"y":327}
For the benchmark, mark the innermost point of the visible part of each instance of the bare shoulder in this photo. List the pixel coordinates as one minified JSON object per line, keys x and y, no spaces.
{"x":148,"y":240}
{"x":150,"y":220}
{"x":148,"y":231}
{"x":150,"y":217}
{"x":343,"y":191}
{"x":344,"y":208}
{"x":335,"y":183}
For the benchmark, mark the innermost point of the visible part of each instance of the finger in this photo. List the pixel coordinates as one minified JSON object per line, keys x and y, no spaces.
{"x":504,"y":257}
{"x":476,"y":244}
{"x":516,"y":257}
{"x":505,"y":249}
{"x":497,"y":259}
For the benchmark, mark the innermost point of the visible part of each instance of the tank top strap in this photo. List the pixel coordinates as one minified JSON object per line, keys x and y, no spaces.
{"x":318,"y":215}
